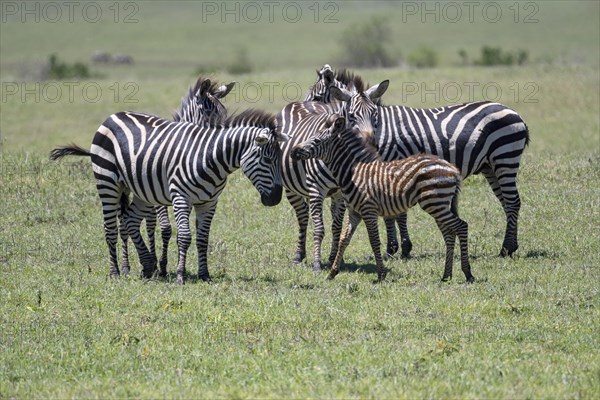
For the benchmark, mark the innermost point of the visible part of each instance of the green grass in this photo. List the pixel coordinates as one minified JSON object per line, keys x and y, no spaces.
{"x":528,"y":328}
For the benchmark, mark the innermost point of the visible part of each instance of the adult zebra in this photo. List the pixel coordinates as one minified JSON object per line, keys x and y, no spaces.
{"x":201,"y":106}
{"x":478,"y":137}
{"x":308,"y":182}
{"x":162,"y":163}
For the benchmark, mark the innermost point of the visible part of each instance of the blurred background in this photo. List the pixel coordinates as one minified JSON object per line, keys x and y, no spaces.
{"x":64,"y":67}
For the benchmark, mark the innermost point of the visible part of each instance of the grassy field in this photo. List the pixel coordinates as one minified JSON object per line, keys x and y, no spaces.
{"x":528,"y":328}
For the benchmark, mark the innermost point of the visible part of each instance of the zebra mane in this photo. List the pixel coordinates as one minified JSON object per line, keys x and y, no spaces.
{"x":354,"y":83}
{"x":191,"y":95}
{"x":350,"y":80}
{"x":253,"y":117}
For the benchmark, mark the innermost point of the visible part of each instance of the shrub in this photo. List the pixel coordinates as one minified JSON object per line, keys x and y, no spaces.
{"x":497,"y":56}
{"x":423,"y":57}
{"x":60,"y":70}
{"x":364,"y":45}
{"x":241,"y":64}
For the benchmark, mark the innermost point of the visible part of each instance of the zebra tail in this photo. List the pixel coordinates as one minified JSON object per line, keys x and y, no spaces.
{"x":70,"y":150}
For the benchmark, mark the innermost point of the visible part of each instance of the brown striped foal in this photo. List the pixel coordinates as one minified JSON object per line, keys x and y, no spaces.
{"x":374,"y":188}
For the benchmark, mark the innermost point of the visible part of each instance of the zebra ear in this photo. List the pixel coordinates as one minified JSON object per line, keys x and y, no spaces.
{"x":224,"y":90}
{"x":204,"y":87}
{"x":375,"y":92}
{"x":263,"y":137}
{"x":340,"y":93}
{"x":328,"y":75}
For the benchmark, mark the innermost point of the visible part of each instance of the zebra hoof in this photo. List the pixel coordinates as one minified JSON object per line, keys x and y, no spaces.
{"x":508,"y":251}
{"x":392,"y":248}
{"x":298,"y":258}
{"x":126,"y":271}
{"x":470,"y":279}
{"x":406,"y":248}
{"x":317,"y":267}
{"x":332,"y":274}
{"x":162,"y":273}
{"x":447,"y":279}
{"x":115,"y":275}
{"x":179,"y":280}
{"x":205,"y":278}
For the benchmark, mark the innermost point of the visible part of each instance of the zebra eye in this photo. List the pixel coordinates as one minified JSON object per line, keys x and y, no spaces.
{"x":268,"y":160}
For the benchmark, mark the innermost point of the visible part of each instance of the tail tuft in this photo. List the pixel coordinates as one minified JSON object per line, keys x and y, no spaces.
{"x":70,"y":150}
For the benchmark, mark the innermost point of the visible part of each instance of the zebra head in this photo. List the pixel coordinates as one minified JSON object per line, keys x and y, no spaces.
{"x":320,"y":90}
{"x":322,"y":144}
{"x":261,"y":162}
{"x":202,"y":104}
{"x":362,"y":108}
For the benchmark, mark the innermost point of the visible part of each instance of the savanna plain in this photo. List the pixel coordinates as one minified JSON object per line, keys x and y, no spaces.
{"x":528,"y":328}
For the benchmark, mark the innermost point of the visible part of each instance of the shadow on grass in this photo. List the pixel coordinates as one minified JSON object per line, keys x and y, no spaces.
{"x":551,"y":255}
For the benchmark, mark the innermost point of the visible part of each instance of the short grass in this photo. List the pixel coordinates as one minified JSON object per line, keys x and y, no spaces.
{"x":527,"y":329}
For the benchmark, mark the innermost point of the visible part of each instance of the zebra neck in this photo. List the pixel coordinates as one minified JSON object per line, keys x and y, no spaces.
{"x":233,"y":144}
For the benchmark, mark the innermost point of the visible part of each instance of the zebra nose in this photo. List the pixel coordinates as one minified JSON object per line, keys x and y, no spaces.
{"x":273,"y":198}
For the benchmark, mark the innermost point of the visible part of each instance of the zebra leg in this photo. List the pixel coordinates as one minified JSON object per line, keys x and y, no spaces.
{"x":301,"y":208}
{"x":316,"y":200}
{"x":508,"y":195}
{"x":353,"y":221}
{"x":338,"y":209}
{"x":204,"y":216}
{"x":462,"y":230}
{"x":123,"y":234}
{"x":137,"y":211}
{"x":392,"y":241}
{"x":151,"y":231}
{"x":184,"y":237}
{"x":124,"y":247}
{"x":110,"y":197}
{"x":166,"y":232}
{"x":373,"y":231}
{"x":405,"y":242}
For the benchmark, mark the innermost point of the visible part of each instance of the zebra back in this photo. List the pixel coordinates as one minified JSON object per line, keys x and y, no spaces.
{"x":473,"y":135}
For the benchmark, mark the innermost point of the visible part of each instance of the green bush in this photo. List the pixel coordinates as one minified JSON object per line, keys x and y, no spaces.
{"x":365,"y":45}
{"x":423,"y":57}
{"x":60,"y":70}
{"x":497,"y":56}
{"x":241,"y":64}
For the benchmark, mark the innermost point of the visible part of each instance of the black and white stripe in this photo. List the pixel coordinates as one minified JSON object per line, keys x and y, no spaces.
{"x":201,"y":106}
{"x":372,"y":187}
{"x":308,"y":182}
{"x":479,"y":137}
{"x":181,"y":164}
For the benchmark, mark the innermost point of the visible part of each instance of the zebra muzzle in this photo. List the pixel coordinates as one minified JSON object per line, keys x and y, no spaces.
{"x":298,"y":153}
{"x":273,"y":198}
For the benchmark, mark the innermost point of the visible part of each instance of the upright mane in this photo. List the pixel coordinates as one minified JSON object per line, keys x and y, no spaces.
{"x":253,"y":117}
{"x":187,"y":100}
{"x":350,"y":80}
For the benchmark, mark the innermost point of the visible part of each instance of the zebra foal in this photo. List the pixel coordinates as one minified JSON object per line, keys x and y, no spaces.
{"x":185,"y":165}
{"x":373,"y":187}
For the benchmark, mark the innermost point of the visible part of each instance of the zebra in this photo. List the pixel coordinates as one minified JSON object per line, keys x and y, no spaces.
{"x":200,"y":106}
{"x":181,"y":164}
{"x":308,"y":182}
{"x":373,"y":187}
{"x":478,"y":137}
